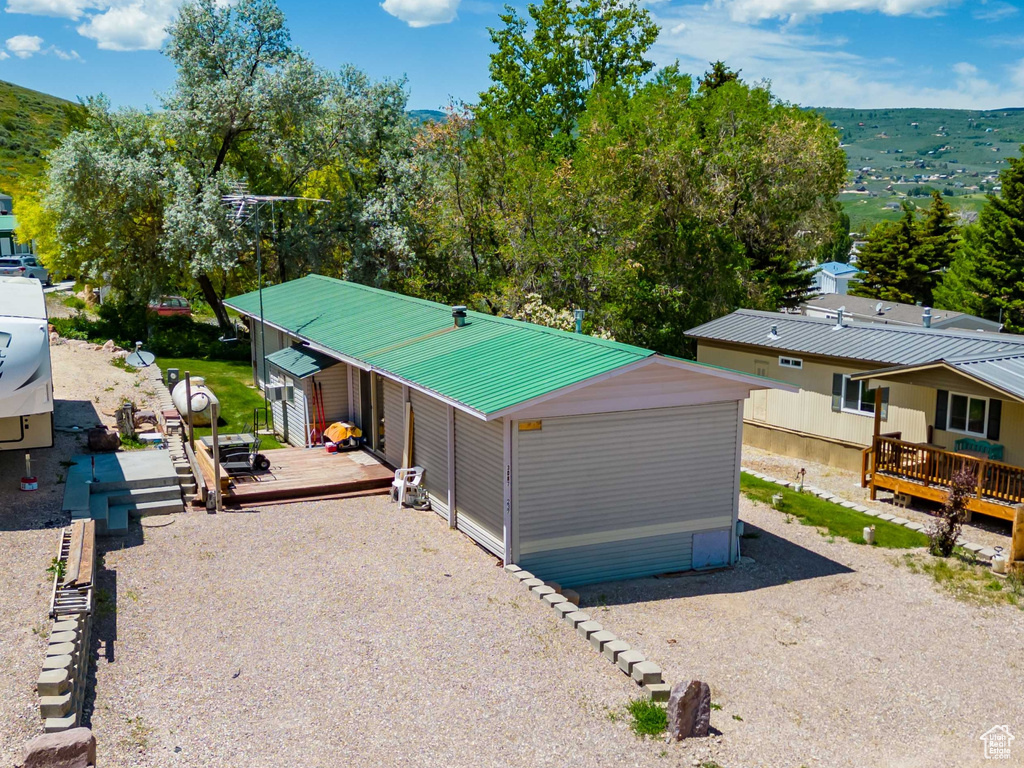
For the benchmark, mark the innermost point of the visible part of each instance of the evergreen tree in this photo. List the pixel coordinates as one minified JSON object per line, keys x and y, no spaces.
{"x":958,"y":290}
{"x":716,"y":77}
{"x":939,"y":238}
{"x":1000,"y":264}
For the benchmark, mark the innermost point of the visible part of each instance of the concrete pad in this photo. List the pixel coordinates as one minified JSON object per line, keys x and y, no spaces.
{"x":886,"y":517}
{"x":972,"y":547}
{"x":646,"y":673}
{"x":531,"y":583}
{"x":542,"y":591}
{"x":512,"y":568}
{"x":614,"y":648}
{"x":586,"y":628}
{"x":658,"y":691}
{"x":564,"y":609}
{"x":847,"y":504}
{"x":602,"y":638}
{"x":899,"y":520}
{"x":859,"y":508}
{"x":915,"y":526}
{"x":554,"y":599}
{"x":628,"y":659}
{"x":522,"y":575}
{"x":871,"y":513}
{"x":576,"y":618}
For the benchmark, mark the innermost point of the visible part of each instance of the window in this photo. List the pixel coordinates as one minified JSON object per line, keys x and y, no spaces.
{"x":791,"y":362}
{"x":857,"y":398}
{"x":968,"y":414}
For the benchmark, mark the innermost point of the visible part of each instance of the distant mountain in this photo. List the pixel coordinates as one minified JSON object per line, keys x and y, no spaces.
{"x":427,"y":115}
{"x":30,"y":124}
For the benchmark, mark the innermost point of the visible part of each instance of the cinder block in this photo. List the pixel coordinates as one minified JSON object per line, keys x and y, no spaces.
{"x":646,"y":673}
{"x":572,"y":596}
{"x":53,"y":682}
{"x":576,"y":618}
{"x":522,"y":575}
{"x":658,"y":691}
{"x":508,"y":568}
{"x":55,"y":706}
{"x":542,"y":591}
{"x":63,"y":637}
{"x":531,"y":583}
{"x":555,"y":598}
{"x":586,"y":628}
{"x":61,"y":649}
{"x":613,"y":649}
{"x":564,"y":609}
{"x":628,"y":659}
{"x":600,"y":639}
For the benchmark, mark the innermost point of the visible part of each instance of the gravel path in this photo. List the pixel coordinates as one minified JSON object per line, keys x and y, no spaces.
{"x":341,"y":633}
{"x":827,"y":654}
{"x":984,"y":530}
{"x":85,"y":384}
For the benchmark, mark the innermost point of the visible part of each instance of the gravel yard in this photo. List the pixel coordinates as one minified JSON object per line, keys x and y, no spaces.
{"x":984,"y":530}
{"x":85,"y":384}
{"x":827,"y":654}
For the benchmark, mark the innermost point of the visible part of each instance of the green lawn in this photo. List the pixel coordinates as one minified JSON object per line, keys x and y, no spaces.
{"x":231,"y":382}
{"x":838,"y":520}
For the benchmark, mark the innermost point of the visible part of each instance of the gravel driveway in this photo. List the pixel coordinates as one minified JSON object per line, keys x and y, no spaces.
{"x":828,"y":654}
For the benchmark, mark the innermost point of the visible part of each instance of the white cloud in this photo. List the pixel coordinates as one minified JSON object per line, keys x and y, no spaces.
{"x":815,"y":70}
{"x":4,"y":55}
{"x":995,"y":11}
{"x":422,"y":13}
{"x":757,"y":10}
{"x":65,"y":9}
{"x":139,"y":26}
{"x":24,"y":46}
{"x":63,"y":55}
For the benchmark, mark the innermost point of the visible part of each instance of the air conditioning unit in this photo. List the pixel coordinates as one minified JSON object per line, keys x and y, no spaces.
{"x":279,"y":393}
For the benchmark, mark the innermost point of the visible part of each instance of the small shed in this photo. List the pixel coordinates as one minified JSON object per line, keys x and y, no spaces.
{"x":578,"y":458}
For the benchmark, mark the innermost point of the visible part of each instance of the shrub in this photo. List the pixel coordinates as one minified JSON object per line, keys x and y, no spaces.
{"x":649,"y":718}
{"x":944,"y":532}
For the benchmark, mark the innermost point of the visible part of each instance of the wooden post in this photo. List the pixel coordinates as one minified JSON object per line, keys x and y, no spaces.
{"x":878,"y":411}
{"x":407,"y":442}
{"x":1017,"y":540}
{"x":188,"y":408}
{"x":214,"y":415}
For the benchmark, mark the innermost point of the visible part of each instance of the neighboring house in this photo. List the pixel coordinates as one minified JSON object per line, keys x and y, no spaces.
{"x":580,"y":459}
{"x":9,"y":245}
{"x":858,"y":309}
{"x":834,"y":277}
{"x":943,"y":397}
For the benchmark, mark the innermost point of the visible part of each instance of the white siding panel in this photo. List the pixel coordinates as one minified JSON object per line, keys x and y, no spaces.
{"x":275,"y":340}
{"x":290,"y":416}
{"x":478,"y":480}
{"x":430,"y":447}
{"x":624,"y":483}
{"x":394,"y":422}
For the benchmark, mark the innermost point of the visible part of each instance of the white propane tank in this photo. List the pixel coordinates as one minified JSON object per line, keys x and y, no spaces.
{"x":202,"y":397}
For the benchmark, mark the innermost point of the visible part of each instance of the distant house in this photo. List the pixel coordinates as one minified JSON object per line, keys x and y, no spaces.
{"x":859,"y":309}
{"x":9,"y":245}
{"x":907,"y":406}
{"x":834,"y":277}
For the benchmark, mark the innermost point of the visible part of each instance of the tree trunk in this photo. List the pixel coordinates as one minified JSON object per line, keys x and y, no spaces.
{"x":215,"y":302}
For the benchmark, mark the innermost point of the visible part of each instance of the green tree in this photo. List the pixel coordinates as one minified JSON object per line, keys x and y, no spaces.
{"x":958,"y":290}
{"x":1000,"y":263}
{"x":717,"y":76}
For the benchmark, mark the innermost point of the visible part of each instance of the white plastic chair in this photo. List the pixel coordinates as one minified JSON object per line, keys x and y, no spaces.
{"x":405,"y":479}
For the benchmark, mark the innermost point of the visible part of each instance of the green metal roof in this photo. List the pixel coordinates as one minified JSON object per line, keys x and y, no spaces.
{"x":488,"y":365}
{"x":8,"y":223}
{"x":300,"y":361}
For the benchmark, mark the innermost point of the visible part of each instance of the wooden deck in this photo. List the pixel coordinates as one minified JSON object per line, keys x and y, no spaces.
{"x":925,"y":472}
{"x":297,"y":473}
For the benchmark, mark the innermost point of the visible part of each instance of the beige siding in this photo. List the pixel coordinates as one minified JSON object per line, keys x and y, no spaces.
{"x":430,"y":448}
{"x":809,"y":411}
{"x":479,"y":451}
{"x":289,"y":416}
{"x":1011,"y":433}
{"x":334,"y":388}
{"x":602,"y":496}
{"x":357,"y":410}
{"x":394,"y":422}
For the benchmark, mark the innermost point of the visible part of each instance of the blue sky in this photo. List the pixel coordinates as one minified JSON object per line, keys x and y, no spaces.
{"x":858,"y":53}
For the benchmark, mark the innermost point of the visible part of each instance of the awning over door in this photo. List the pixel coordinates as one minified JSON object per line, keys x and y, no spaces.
{"x":300,"y":362}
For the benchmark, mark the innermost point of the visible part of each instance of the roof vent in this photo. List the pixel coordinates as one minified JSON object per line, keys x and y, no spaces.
{"x":459,"y":315}
{"x":578,"y":317}
{"x":774,"y":332}
{"x":926,"y":318}
{"x":839,"y":317}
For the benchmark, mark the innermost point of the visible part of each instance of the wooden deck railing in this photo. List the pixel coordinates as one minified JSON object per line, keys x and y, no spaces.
{"x":934,"y":466}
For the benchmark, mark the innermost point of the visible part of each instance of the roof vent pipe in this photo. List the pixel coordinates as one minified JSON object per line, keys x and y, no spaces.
{"x":578,"y":314}
{"x":926,"y":318}
{"x":459,"y":315}
{"x":839,"y":317}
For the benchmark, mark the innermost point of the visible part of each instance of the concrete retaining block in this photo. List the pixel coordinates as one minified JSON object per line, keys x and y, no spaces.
{"x":522,"y":575}
{"x":53,"y":682}
{"x":886,"y":517}
{"x":62,"y":649}
{"x":646,"y":673}
{"x":531,"y":583}
{"x":63,"y":637}
{"x":628,"y":659}
{"x":614,"y":648}
{"x":542,"y":591}
{"x":915,"y":526}
{"x":554,"y":585}
{"x":55,"y":706}
{"x":602,"y":638}
{"x":576,"y":618}
{"x":658,"y":691}
{"x":564,"y":609}
{"x":586,"y":628}
{"x":57,"y":662}
{"x":900,"y":520}
{"x":972,"y":547}
{"x":508,"y":568}
{"x":553,"y":599}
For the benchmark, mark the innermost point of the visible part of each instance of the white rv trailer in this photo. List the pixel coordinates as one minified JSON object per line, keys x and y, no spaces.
{"x":26,"y":384}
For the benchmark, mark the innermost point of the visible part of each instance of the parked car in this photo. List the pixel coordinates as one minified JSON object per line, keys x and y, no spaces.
{"x":168,"y":306}
{"x":24,"y":266}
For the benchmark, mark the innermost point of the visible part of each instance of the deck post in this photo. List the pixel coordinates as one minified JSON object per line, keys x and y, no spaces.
{"x":1017,"y":539}
{"x":878,"y":411}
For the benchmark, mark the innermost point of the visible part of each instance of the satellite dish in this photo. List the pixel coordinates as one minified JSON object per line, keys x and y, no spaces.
{"x":140,"y":359}
{"x":878,"y":308}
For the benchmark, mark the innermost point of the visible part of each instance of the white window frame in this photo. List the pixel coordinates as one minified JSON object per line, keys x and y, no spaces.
{"x":855,"y":411}
{"x":965,"y":431}
{"x":794,"y":363}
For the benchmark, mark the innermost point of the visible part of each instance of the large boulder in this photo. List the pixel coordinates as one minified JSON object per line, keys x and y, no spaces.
{"x":73,"y":748}
{"x":689,"y":710}
{"x":102,"y":440}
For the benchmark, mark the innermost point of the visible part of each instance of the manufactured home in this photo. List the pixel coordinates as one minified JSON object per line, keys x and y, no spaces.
{"x":578,"y":458}
{"x":26,"y":386}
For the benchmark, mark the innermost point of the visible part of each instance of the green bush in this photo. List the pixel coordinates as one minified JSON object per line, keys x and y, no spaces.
{"x":649,"y":717}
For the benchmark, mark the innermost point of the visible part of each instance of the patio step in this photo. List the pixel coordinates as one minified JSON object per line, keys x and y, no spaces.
{"x":145,"y":508}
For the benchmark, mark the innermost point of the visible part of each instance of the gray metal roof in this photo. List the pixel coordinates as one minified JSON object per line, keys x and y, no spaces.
{"x":862,"y":308}
{"x":1005,"y":373}
{"x":884,"y":344}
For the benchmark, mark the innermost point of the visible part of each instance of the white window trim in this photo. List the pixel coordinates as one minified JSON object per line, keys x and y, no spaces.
{"x":794,"y":363}
{"x":949,"y":415}
{"x":854,"y":411}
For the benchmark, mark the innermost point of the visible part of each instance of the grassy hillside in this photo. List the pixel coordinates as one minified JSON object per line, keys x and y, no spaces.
{"x":900,"y":154}
{"x":30,"y":124}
